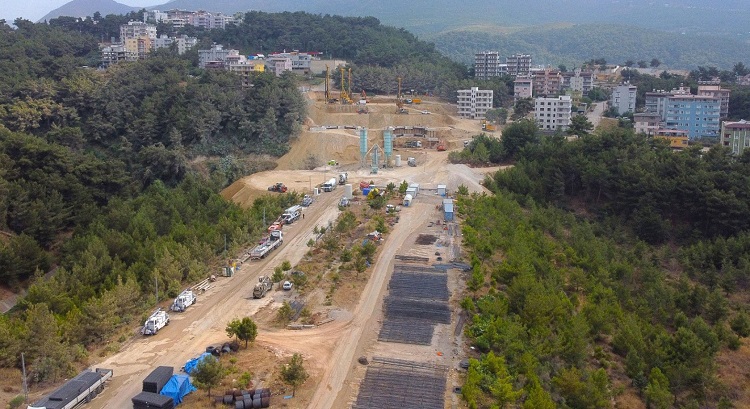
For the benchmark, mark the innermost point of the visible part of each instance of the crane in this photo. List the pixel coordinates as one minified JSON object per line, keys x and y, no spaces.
{"x":328,"y":79}
{"x":345,"y":98}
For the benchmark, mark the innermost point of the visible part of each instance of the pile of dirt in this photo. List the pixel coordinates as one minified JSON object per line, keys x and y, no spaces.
{"x":317,"y":148}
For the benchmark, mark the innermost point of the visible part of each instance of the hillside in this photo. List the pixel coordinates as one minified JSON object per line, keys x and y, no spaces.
{"x":574,"y":44}
{"x":83,"y":8}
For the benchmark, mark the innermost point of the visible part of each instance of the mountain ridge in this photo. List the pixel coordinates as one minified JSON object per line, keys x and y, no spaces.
{"x":83,"y":8}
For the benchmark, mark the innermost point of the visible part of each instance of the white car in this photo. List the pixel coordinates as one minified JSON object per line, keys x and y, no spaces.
{"x":287,"y":285}
{"x":425,"y":112}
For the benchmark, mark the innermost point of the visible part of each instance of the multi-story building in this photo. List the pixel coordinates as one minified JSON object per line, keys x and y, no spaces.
{"x":552,"y":114}
{"x":647,"y":122}
{"x":137,"y":29}
{"x":300,"y":61}
{"x":487,"y":65}
{"x":736,"y":136}
{"x":693,"y":113}
{"x":578,"y":81}
{"x":656,"y":100}
{"x":474,"y":103}
{"x":713,"y":89}
{"x":518,"y":65}
{"x":547,"y":82}
{"x":215,"y":54}
{"x":678,"y":139}
{"x":623,"y":98}
{"x":278,"y":64}
{"x":140,"y":46}
{"x":523,"y":87}
{"x":112,"y":54}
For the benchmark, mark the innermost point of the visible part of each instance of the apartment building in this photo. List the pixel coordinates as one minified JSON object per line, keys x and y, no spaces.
{"x":578,"y":81}
{"x":181,"y":18}
{"x":488,"y":64}
{"x":656,"y":100}
{"x":713,"y":89}
{"x":216,"y":53}
{"x":182,"y":43}
{"x":647,"y":123}
{"x":474,"y":103}
{"x":736,"y":136}
{"x":698,"y":115}
{"x":523,"y":87}
{"x":623,"y":98}
{"x":112,"y":54}
{"x":137,"y":29}
{"x":300,"y":61}
{"x":278,"y":64}
{"x":518,"y":65}
{"x":547,"y":82}
{"x":552,"y":114}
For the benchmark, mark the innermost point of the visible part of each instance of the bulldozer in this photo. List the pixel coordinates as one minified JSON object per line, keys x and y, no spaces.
{"x":278,"y":187}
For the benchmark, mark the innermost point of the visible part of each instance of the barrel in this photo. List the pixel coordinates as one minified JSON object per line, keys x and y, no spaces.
{"x":240,"y":404}
{"x":398,"y":160}
{"x":348,"y":190}
{"x":249,"y":403}
{"x":257,"y":402}
{"x":265,"y":392}
{"x":228,"y":399}
{"x":265,"y":401}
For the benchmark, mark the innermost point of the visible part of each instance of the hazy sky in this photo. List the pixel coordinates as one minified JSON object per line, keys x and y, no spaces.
{"x":35,"y":9}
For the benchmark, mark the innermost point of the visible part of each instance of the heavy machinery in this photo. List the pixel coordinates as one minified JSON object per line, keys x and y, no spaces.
{"x":77,"y":391}
{"x":343,"y":177}
{"x":263,"y":287}
{"x":269,"y":244}
{"x":278,"y":187}
{"x":345,"y":94}
{"x":184,"y":300}
{"x":487,"y":126}
{"x":440,"y":146}
{"x":158,"y":320}
{"x":411,"y":162}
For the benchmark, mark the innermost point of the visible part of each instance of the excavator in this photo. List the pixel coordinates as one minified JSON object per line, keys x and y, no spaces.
{"x":440,"y":146}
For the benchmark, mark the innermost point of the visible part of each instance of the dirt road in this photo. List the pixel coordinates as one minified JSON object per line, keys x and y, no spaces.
{"x":203,"y":324}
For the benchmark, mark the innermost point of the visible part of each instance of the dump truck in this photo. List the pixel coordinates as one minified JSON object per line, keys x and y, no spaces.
{"x":266,"y":246}
{"x":77,"y":391}
{"x":343,"y":177}
{"x":263,"y":287}
{"x":412,"y":162}
{"x":184,"y":300}
{"x":158,"y":320}
{"x":278,"y":187}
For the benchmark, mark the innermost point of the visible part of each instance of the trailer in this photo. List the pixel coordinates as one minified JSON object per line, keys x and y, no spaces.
{"x":77,"y":391}
{"x":184,"y":300}
{"x":271,"y":243}
{"x":158,"y":320}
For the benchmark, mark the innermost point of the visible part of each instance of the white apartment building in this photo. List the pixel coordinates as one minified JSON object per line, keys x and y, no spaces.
{"x":623,"y":98}
{"x":300,"y":61}
{"x":137,"y":29}
{"x":552,"y":114}
{"x":474,"y":103}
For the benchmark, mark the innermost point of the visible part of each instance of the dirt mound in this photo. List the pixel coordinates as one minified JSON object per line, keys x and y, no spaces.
{"x":316,"y":148}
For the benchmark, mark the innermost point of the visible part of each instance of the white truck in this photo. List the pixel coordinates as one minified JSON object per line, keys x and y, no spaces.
{"x":158,"y":320}
{"x":271,"y":243}
{"x":263,"y":287}
{"x":77,"y":391}
{"x":343,"y":177}
{"x":307,"y":201}
{"x":330,"y":186}
{"x":292,"y":214}
{"x":412,"y":162}
{"x":184,"y":300}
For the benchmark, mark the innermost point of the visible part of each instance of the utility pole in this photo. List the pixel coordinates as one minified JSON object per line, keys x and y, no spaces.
{"x":264,"y":216}
{"x":156,"y":282}
{"x":25,"y":386}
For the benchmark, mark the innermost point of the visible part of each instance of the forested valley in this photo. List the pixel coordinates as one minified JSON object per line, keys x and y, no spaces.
{"x":607,"y":269}
{"x":109,"y":185}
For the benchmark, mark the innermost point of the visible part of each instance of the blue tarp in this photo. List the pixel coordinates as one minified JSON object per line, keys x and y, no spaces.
{"x":177,"y":387}
{"x":191,"y":364}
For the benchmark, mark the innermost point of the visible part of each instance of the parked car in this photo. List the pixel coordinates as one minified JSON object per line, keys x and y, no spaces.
{"x":287,"y":285}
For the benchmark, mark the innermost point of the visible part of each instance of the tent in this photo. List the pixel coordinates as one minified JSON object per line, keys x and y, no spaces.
{"x":177,"y":387}
{"x":191,"y":364}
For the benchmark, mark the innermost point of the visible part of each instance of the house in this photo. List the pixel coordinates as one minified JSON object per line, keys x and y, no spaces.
{"x":647,"y":123}
{"x":552,"y":114}
{"x":736,"y":135}
{"x":300,"y":61}
{"x":623,"y":98}
{"x":474,"y":103}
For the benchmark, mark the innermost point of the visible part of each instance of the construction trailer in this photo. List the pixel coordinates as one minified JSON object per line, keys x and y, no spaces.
{"x":158,"y":320}
{"x":77,"y":391}
{"x":448,"y":210}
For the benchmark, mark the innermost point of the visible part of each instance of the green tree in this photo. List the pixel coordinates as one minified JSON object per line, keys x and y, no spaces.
{"x":402,"y":187}
{"x":285,"y":313}
{"x":580,"y":126}
{"x":519,"y":134}
{"x":286,"y":265}
{"x":244,"y":329}
{"x":655,"y":63}
{"x":522,"y":107}
{"x":278,"y":274}
{"x":208,"y":373}
{"x":294,"y":373}
{"x":657,"y":391}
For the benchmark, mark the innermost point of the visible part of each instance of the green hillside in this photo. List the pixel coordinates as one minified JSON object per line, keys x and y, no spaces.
{"x":578,"y":43}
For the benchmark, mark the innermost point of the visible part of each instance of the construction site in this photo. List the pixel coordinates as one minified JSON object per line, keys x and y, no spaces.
{"x":389,"y":337}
